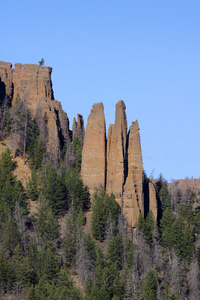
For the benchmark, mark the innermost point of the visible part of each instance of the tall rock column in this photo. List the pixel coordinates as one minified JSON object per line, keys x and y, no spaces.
{"x":116,"y":151}
{"x":133,"y":203}
{"x":93,"y":167}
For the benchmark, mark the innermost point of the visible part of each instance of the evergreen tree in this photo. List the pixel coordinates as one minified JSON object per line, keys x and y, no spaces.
{"x":78,"y":196}
{"x":77,"y":148}
{"x":150,"y":285}
{"x":115,"y":251}
{"x":166,"y":228}
{"x":47,"y":226}
{"x":54,"y":189}
{"x":32,"y":190}
{"x":147,"y":225}
{"x":98,"y":220}
{"x":10,"y":237}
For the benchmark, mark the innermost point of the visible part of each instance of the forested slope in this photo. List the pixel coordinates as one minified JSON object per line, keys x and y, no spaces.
{"x":40,"y":259}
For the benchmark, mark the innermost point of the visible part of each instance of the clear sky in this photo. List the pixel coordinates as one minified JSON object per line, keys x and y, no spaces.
{"x":145,"y":52}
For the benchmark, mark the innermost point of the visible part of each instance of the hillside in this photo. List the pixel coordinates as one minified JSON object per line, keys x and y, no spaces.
{"x":79,"y":219}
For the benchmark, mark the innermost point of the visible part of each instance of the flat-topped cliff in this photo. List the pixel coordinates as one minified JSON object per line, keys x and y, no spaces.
{"x":34,"y":86}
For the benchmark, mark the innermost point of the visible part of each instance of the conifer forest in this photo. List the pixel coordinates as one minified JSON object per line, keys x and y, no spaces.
{"x":57,"y":242}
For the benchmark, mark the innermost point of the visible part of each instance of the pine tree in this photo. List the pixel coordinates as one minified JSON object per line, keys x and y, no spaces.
{"x":150,"y":285}
{"x":32,"y":190}
{"x":98,"y":220}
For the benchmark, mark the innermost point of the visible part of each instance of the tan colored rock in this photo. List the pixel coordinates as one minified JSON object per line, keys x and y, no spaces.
{"x":133,"y":202}
{"x":32,"y":83}
{"x":116,"y":152}
{"x":78,"y":129}
{"x":93,"y":167}
{"x":34,"y":86}
{"x":152,"y":200}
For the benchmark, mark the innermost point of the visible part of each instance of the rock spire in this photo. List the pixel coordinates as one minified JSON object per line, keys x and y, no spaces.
{"x":93,"y":169}
{"x":116,"y":164}
{"x":133,"y":202}
{"x":116,"y":152}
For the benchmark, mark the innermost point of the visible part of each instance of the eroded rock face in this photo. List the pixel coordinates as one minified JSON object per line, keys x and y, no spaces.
{"x":133,"y":200}
{"x":34,"y":86}
{"x":116,"y":152}
{"x":93,"y":167}
{"x":78,"y":128}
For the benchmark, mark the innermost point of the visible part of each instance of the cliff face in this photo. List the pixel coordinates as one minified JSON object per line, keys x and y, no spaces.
{"x":34,"y":86}
{"x":118,"y":160}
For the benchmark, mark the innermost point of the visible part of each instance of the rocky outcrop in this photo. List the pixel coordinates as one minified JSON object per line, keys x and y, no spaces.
{"x":93,"y":169}
{"x":34,"y":86}
{"x":78,"y":128}
{"x":116,"y":152}
{"x":117,"y":164}
{"x":133,"y":200}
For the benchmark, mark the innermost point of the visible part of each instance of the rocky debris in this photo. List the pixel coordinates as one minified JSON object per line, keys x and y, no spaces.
{"x":93,"y":169}
{"x":78,"y":128}
{"x":116,"y":152}
{"x":133,"y":199}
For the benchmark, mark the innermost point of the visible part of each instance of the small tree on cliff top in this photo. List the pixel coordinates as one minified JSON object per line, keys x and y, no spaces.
{"x":41,"y":62}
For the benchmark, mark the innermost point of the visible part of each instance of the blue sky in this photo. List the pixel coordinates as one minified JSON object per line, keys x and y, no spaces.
{"x":145,"y":52}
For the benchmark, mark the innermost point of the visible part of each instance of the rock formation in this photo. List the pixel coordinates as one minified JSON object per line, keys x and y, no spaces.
{"x":93,"y":169}
{"x":78,"y":128}
{"x":117,"y":164}
{"x":133,"y":202}
{"x":33,"y":84}
{"x":116,"y":150}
